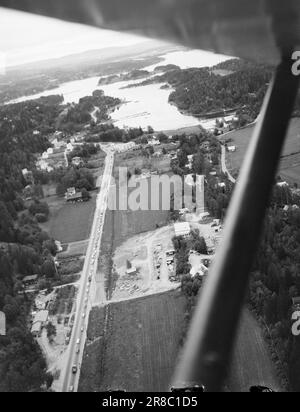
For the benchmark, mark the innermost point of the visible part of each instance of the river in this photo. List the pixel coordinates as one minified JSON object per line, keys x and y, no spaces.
{"x":143,"y":106}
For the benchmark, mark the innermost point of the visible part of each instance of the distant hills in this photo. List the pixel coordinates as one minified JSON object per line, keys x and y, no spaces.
{"x":104,"y":55}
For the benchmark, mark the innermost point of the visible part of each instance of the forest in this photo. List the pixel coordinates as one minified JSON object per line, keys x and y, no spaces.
{"x":274,"y":281}
{"x":24,"y":248}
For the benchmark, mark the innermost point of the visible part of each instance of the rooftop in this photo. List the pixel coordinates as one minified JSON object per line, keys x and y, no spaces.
{"x":41,"y":316}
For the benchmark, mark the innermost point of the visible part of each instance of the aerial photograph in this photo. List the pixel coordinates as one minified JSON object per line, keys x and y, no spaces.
{"x":149,"y":198}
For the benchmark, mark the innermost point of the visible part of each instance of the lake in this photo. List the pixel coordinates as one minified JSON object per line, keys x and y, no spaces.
{"x":144,"y":106}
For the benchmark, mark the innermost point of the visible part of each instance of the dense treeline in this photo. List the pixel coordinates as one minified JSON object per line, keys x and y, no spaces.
{"x":200,"y":91}
{"x":104,"y":133}
{"x":274,"y":281}
{"x":25,"y":248}
{"x":80,"y":113}
{"x":206,"y":151}
{"x":204,"y":91}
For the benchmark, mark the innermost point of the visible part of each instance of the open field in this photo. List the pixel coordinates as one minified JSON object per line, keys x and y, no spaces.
{"x":252,"y":364}
{"x":290,"y":162}
{"x":70,"y":222}
{"x":134,"y":159}
{"x":140,"y":347}
{"x":121,"y":225}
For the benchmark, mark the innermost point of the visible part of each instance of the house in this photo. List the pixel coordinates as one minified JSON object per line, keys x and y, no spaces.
{"x":2,"y":324}
{"x":30,"y":280}
{"x":28,"y":192}
{"x":282,"y":184}
{"x":45,"y":156}
{"x":222,"y":185}
{"x":182,"y":229}
{"x":205,"y":145}
{"x":42,"y":164}
{"x":232,"y":149}
{"x":69,"y":147}
{"x":182,"y":212}
{"x":203,"y":216}
{"x":77,"y":161}
{"x":296,"y":302}
{"x":59,"y":135}
{"x":73,"y":196}
{"x":58,"y":245}
{"x":216,"y":222}
{"x":39,"y":322}
{"x":28,"y":176}
{"x":170,"y":252}
{"x":132,"y":271}
{"x":154,"y":142}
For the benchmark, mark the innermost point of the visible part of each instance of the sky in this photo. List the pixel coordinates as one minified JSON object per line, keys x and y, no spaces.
{"x":26,"y":38}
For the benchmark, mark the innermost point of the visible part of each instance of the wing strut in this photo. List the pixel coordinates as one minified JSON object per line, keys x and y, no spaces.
{"x":207,"y":354}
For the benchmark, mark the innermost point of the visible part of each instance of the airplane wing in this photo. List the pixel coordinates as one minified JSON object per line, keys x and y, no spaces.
{"x":256,"y":29}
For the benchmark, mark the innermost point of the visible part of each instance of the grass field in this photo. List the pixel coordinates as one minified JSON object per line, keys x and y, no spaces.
{"x":252,"y":364}
{"x":134,"y":159}
{"x":290,"y":164}
{"x":121,"y":225}
{"x":137,"y":347}
{"x":70,"y":222}
{"x":140,"y":348}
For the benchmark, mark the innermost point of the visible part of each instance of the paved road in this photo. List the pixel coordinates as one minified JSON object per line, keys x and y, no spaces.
{"x":87,"y":284}
{"x":224,"y":167}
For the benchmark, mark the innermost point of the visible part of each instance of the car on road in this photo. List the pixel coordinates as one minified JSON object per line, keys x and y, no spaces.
{"x":82,"y":329}
{"x":74,"y":370}
{"x":83,"y":316}
{"x":71,"y":389}
{"x":90,"y":279}
{"x":77,"y":350}
{"x":78,"y":342}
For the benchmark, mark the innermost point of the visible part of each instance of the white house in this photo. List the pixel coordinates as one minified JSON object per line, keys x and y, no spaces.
{"x":154,"y":142}
{"x":232,"y":149}
{"x":282,"y":184}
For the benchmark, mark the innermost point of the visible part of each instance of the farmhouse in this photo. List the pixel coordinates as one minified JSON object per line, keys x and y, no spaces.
{"x":73,"y":196}
{"x":30,"y":280}
{"x":77,"y":161}
{"x":182,"y":229}
{"x":39,"y":322}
